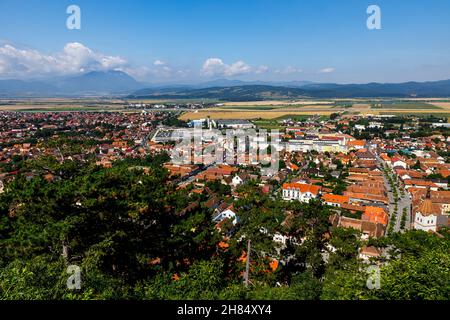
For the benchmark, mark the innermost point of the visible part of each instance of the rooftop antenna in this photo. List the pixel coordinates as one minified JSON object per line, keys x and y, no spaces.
{"x":60,"y":153}
{"x":247,"y":264}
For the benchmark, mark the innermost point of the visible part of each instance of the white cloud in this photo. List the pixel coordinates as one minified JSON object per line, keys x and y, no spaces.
{"x":261,"y":69}
{"x":158,"y":71}
{"x":75,"y":58}
{"x":213,"y":66}
{"x":289,"y":70}
{"x":141,"y":73}
{"x":216,"y":67}
{"x":326,"y":70}
{"x":158,"y":63}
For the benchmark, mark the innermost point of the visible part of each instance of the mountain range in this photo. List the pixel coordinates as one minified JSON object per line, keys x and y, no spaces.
{"x":118,"y":83}
{"x":96,"y":83}
{"x":254,"y":92}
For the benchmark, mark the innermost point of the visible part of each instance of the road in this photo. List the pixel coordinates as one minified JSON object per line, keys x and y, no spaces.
{"x":403,"y":202}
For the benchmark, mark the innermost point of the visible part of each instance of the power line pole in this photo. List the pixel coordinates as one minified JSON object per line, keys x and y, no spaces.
{"x":247,"y":264}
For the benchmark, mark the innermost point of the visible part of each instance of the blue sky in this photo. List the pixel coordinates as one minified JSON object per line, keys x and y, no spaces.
{"x":181,"y":41}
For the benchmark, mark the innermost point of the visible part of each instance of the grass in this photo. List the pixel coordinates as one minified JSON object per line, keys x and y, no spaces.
{"x":268,"y":124}
{"x":295,"y":117}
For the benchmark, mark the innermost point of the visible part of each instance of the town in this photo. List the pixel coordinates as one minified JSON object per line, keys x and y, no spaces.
{"x":379,"y":175}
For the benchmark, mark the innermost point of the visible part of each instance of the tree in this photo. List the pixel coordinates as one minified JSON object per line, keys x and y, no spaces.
{"x":416,"y":166}
{"x":203,"y":281}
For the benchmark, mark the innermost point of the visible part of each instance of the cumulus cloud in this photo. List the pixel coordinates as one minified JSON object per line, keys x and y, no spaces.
{"x":326,"y":70}
{"x":158,"y":63}
{"x":159,"y":70}
{"x":74,"y":58}
{"x":216,"y":67}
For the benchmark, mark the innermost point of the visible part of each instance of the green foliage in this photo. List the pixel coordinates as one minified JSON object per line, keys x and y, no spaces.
{"x":201,"y":282}
{"x":129,"y":231}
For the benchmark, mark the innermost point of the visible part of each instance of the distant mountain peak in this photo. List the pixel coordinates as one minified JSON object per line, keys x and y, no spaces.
{"x":93,"y":83}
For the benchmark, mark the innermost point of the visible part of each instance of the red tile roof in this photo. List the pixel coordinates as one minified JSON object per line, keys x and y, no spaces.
{"x":302,"y":187}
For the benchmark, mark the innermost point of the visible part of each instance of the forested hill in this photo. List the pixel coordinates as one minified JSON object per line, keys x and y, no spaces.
{"x":271,"y":92}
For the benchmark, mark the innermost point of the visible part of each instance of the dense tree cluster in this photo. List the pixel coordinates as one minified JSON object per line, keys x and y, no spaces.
{"x":135,"y":235}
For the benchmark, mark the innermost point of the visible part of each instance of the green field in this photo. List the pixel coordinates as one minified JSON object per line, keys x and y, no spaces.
{"x":275,"y":123}
{"x":404,"y":105}
{"x":419,"y":114}
{"x":252,"y":107}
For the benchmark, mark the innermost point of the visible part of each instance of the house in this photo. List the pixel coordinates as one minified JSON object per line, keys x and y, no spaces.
{"x":356,"y":144}
{"x":421,"y":184}
{"x":313,"y":172}
{"x":335,"y":174}
{"x":409,"y":174}
{"x":364,"y":154}
{"x":291,"y":166}
{"x":240,"y":179}
{"x":365,"y":198}
{"x":237,"y":180}
{"x":280,"y":239}
{"x":300,"y":191}
{"x":358,"y":171}
{"x":181,"y":170}
{"x":368,"y":228}
{"x":444,"y":173}
{"x":385,"y":158}
{"x":397,"y":162}
{"x":228,"y":213}
{"x":368,"y":253}
{"x":441,"y":183}
{"x":353,"y":208}
{"x":429,"y":217}
{"x":212,"y":203}
{"x":335,"y":200}
{"x":376,"y":215}
{"x":216,"y":173}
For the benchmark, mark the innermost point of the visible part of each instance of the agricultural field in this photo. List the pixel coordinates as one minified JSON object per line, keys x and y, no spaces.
{"x":278,"y":103}
{"x":60,"y":104}
{"x":415,"y":105}
{"x":243,"y":110}
{"x":248,"y":115}
{"x":443,"y":105}
{"x":278,"y":109}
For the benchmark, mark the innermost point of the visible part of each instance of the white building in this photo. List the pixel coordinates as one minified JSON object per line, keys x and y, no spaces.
{"x":300,"y":192}
{"x":397,"y":162}
{"x":430,"y":217}
{"x":227,"y":214}
{"x":237,"y":180}
{"x":368,"y":253}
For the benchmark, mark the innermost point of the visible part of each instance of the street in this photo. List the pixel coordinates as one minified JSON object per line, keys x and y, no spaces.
{"x":404,"y":202}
